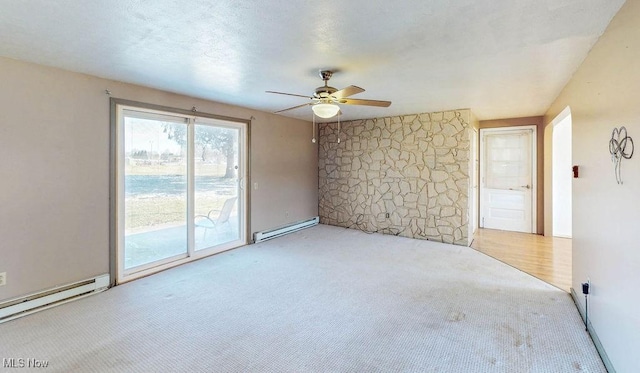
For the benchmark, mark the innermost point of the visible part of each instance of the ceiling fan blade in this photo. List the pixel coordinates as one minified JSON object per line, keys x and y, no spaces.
{"x":291,"y":108}
{"x":289,"y":94}
{"x":348,"y":91}
{"x":355,"y":101}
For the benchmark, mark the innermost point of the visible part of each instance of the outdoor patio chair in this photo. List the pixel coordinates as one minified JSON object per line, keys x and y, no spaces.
{"x":211,"y":221}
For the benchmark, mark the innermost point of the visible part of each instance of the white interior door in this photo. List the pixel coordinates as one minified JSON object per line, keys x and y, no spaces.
{"x":507,"y":186}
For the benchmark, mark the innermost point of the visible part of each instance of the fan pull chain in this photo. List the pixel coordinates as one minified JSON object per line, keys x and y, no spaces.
{"x":338,"y":127}
{"x":313,"y":138}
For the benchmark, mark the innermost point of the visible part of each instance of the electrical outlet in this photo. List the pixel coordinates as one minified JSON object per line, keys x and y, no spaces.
{"x":3,"y":278}
{"x":586,"y":287}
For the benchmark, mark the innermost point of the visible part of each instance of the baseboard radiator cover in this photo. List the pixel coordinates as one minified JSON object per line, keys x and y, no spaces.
{"x":281,"y":231}
{"x":22,"y":306}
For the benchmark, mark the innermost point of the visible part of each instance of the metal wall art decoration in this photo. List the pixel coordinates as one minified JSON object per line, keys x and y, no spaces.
{"x":620,"y":146}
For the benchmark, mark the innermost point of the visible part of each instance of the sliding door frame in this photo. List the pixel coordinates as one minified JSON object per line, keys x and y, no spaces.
{"x":115,"y":104}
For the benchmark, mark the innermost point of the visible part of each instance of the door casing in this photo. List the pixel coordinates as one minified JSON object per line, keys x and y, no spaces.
{"x":534,"y":172}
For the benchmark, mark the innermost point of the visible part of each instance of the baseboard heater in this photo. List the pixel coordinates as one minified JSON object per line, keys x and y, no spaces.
{"x":29,"y":304}
{"x":281,"y":231}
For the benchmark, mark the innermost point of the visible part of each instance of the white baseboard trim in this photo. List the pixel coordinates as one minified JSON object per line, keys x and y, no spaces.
{"x":594,"y":335}
{"x":22,"y":306}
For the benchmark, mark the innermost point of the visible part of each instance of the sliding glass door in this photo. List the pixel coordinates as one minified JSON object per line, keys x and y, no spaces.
{"x":155,"y":190}
{"x":217,"y":184}
{"x":180,"y":188}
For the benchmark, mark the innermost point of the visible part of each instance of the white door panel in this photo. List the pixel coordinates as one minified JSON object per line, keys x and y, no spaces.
{"x":507,"y":179}
{"x":507,"y":209}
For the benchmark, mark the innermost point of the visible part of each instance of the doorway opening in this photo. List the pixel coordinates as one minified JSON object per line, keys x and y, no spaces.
{"x":473,"y":193}
{"x":548,"y":258}
{"x":561,"y":178}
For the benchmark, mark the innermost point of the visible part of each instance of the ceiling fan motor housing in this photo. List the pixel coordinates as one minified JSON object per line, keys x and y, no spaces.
{"x":324,"y":91}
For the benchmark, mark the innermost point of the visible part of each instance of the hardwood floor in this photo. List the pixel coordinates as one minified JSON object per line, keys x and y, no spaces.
{"x":547,"y":258}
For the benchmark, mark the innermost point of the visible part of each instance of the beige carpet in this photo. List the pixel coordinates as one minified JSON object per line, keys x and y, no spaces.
{"x":324,"y":299}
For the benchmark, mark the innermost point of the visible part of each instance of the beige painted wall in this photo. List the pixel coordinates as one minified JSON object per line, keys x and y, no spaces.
{"x":604,"y":94}
{"x":528,"y":121}
{"x":54,"y":162}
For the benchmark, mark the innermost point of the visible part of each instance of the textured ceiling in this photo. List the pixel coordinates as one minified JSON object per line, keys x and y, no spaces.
{"x":500,"y":58}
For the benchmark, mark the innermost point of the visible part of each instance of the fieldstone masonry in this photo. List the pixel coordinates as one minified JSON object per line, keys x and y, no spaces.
{"x":405,"y":175}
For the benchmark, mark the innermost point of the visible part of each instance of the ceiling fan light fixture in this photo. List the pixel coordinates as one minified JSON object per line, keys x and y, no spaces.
{"x":325,"y":110}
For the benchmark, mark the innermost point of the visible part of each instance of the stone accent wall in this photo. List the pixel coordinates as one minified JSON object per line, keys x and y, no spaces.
{"x":405,"y":175}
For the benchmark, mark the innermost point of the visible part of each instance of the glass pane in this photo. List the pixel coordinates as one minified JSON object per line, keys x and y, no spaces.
{"x":216,"y":186}
{"x":508,"y":164}
{"x":155,"y":206}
